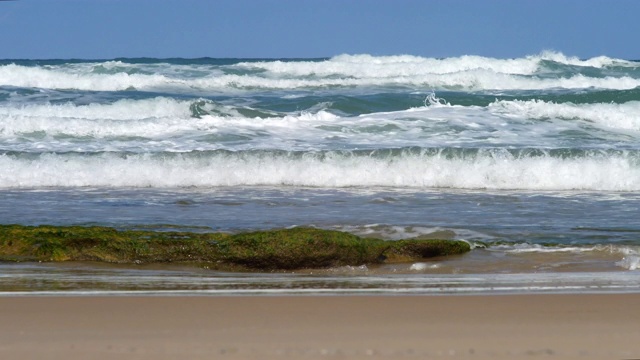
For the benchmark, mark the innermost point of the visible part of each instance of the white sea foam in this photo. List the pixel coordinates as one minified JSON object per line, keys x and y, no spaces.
{"x":630,"y":262}
{"x":330,"y":169}
{"x":473,"y":80}
{"x":125,"y":118}
{"x":624,"y":116}
{"x":631,"y":259}
{"x":37,"y":77}
{"x":393,"y":232}
{"x":630,"y":255}
{"x":368,"y":66}
{"x":126,"y":109}
{"x":523,"y":248}
{"x":460,"y":73}
{"x":164,"y":124}
{"x":149,"y":118}
{"x":423,"y":266}
{"x":596,"y":62}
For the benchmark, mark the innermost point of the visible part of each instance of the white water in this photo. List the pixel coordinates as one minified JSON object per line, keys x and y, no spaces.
{"x":472,"y":73}
{"x":167,"y":124}
{"x":471,"y":80}
{"x":489,"y":170}
{"x":613,"y":116}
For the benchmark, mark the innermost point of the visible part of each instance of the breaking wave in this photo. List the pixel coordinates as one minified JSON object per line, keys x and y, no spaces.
{"x":545,"y":71}
{"x":402,"y":168}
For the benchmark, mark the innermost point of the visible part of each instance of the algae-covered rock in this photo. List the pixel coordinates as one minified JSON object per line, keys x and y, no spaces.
{"x":96,"y":243}
{"x":298,"y":248}
{"x":411,"y":249}
{"x":282,"y":249}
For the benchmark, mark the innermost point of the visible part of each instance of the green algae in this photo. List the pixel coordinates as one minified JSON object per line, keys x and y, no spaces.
{"x":299,"y":248}
{"x":282,"y":249}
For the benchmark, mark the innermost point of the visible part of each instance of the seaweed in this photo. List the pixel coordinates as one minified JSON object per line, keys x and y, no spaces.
{"x":279,"y":249}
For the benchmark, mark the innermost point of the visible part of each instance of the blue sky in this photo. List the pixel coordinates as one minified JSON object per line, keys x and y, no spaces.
{"x":88,"y":29}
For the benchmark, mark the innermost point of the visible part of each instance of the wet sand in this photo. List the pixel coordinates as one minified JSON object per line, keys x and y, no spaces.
{"x":316,"y":327}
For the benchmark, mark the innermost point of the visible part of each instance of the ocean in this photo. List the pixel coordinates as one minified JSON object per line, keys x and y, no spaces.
{"x":534,"y":161}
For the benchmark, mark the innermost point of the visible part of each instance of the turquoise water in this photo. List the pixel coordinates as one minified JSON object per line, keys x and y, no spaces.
{"x":535,"y":160}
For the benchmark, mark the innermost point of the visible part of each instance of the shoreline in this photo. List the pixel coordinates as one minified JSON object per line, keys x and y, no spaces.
{"x":104,"y":279}
{"x":562,"y":326}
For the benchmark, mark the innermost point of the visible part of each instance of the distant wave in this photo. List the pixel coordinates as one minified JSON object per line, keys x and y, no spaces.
{"x":368,"y":66}
{"x":473,"y":73}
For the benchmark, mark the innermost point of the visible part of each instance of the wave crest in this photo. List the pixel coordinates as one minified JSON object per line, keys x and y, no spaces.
{"x":401,"y":168}
{"x":467,"y":72}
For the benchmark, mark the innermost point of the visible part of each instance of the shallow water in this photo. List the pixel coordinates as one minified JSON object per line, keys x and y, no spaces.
{"x":95,"y":279}
{"x":522,"y":241}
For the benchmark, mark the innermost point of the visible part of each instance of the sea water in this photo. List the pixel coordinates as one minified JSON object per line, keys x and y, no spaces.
{"x":534,"y":161}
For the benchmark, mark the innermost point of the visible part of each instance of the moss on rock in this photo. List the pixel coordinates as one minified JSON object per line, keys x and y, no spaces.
{"x":298,"y":248}
{"x":294,"y":248}
{"x":412,"y":249}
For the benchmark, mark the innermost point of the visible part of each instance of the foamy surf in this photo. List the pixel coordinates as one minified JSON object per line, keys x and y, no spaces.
{"x":408,"y":168}
{"x":534,"y":161}
{"x":462,"y":73}
{"x":162,"y":123}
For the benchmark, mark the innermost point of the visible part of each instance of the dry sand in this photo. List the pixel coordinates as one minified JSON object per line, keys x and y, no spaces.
{"x":341,"y":327}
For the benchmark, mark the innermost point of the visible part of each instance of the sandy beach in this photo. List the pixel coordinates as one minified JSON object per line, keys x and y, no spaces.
{"x":390,"y":327}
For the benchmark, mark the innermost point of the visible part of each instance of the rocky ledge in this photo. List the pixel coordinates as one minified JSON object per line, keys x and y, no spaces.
{"x":282,"y":249}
